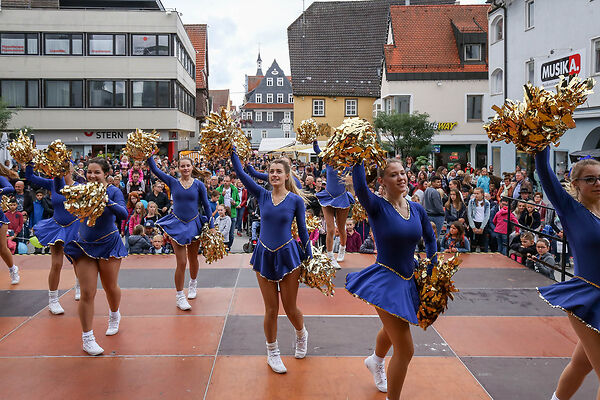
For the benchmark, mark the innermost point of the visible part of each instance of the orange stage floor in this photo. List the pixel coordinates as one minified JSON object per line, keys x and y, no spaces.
{"x":498,"y":339}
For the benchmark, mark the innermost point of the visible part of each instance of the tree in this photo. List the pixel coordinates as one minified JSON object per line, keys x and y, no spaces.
{"x":407,"y":134}
{"x":5,"y":115}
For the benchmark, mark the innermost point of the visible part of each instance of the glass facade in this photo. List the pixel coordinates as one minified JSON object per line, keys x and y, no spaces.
{"x":63,"y":94}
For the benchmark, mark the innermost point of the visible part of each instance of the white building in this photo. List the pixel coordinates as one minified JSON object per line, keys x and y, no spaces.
{"x":88,"y":76}
{"x":436,"y":63}
{"x":536,"y":41}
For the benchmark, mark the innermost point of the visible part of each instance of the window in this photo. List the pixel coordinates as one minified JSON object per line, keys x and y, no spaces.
{"x":183,"y":100}
{"x":596,"y":56}
{"x":530,"y":70}
{"x":106,"y":45}
{"x":561,"y":162}
{"x":258,"y":116}
{"x":287,"y":115}
{"x":474,"y":107}
{"x":150,"y":45}
{"x":498,"y":29}
{"x":263,"y":134}
{"x":497,"y":81}
{"x":269,"y":116}
{"x":258,"y":97}
{"x":318,"y":108}
{"x":269,"y":81}
{"x":529,"y":9}
{"x":286,"y":134}
{"x":63,"y":94}
{"x":107,"y":94}
{"x":279,"y":81}
{"x":20,"y":93}
{"x":151,"y":94}
{"x":63,"y":44}
{"x":18,"y":43}
{"x":280,"y":97}
{"x":249,"y":115}
{"x":290,"y":98}
{"x":351,"y":108}
{"x":269,"y":97}
{"x":401,"y":104}
{"x":472,"y":52}
{"x":184,"y":58}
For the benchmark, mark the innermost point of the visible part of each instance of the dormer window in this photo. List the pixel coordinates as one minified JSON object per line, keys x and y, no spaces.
{"x":472,"y":52}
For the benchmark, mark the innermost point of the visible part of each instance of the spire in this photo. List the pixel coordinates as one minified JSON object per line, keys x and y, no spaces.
{"x":259,"y":65}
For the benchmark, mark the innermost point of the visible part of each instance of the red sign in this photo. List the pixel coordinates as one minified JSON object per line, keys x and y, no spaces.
{"x":570,"y":65}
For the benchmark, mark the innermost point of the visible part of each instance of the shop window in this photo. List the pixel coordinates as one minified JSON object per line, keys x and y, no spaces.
{"x":63,"y":94}
{"x":19,"y":43}
{"x":474,"y":103}
{"x":151,"y":94}
{"x":150,"y":45}
{"x":63,"y":44}
{"x":107,"y":94}
{"x":106,"y":45}
{"x":20,"y":93}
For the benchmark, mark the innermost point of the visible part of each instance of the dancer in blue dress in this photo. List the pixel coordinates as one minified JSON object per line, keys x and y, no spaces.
{"x":55,"y":231}
{"x":580,"y":296}
{"x":262,"y":176}
{"x":184,"y":223}
{"x":389,"y":285}
{"x":335,"y":201}
{"x":5,"y":189}
{"x":98,"y":251}
{"x":277,"y":256}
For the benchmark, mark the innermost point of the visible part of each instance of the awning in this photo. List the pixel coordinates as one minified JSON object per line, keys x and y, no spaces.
{"x":272,"y":144}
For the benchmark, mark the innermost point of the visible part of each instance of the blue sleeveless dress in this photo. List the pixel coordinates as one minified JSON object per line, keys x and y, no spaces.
{"x":335,"y":194}
{"x":101,"y":241}
{"x":579,"y":296}
{"x":277,"y":253}
{"x":5,"y":188}
{"x":62,"y":226}
{"x":389,"y":284}
{"x":184,"y":223}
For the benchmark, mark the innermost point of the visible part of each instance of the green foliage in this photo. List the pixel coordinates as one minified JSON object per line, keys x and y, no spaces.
{"x":421,"y":160}
{"x":407,"y":134}
{"x":5,"y":115}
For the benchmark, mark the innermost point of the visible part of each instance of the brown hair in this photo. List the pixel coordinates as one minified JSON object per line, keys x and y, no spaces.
{"x":138,"y":230}
{"x":129,"y":203}
{"x":458,"y":203}
{"x":196,"y":173}
{"x":388,"y":162}
{"x":9,"y":173}
{"x":102,"y":163}
{"x":290,"y":184}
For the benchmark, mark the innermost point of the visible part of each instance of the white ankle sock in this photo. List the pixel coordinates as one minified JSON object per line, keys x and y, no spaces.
{"x":378,"y":359}
{"x":193,"y":281}
{"x":12,"y":269}
{"x":272,"y":346}
{"x":115,"y":314}
{"x":87,"y":335}
{"x":53,"y":295}
{"x":330,"y":254}
{"x":554,"y":396}
{"x":180,"y":293}
{"x":342,"y":248}
{"x":301,"y":332}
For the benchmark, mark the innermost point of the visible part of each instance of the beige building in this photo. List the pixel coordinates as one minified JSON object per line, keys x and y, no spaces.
{"x":89,"y":76}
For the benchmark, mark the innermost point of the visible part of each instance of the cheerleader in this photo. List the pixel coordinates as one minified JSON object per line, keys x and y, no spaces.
{"x":61,"y":228}
{"x":388,"y":285}
{"x":580,"y":296}
{"x":184,"y":224}
{"x":265,"y":177}
{"x":7,"y":257}
{"x":277,"y":256}
{"x":98,"y":251}
{"x":336,"y":202}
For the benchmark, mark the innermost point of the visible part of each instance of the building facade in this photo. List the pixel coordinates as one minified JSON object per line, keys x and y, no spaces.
{"x":268,"y":109}
{"x":526,"y":46}
{"x":88,"y":76}
{"x":198,"y":34}
{"x":436,"y":63}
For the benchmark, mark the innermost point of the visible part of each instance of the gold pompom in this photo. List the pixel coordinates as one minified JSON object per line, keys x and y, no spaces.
{"x":435,"y":289}
{"x":353,"y":142}
{"x":542,"y":118}
{"x":312,"y":224}
{"x":54,"y":160}
{"x":5,"y":203}
{"x":307,"y":132}
{"x":220,"y":134}
{"x":359,"y":213}
{"x":141,"y":145}
{"x":213,"y":244}
{"x":22,"y":148}
{"x":318,"y":272}
{"x":86,"y":201}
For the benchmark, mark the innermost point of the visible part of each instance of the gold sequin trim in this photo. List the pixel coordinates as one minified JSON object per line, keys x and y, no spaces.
{"x":273,"y":251}
{"x":186,"y":222}
{"x":394,"y":271}
{"x":568,"y":312}
{"x":586,"y":281}
{"x":383,"y":309}
{"x":398,"y":211}
{"x":64,"y":226}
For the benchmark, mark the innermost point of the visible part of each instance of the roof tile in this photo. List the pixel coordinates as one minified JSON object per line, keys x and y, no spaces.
{"x":198,"y":36}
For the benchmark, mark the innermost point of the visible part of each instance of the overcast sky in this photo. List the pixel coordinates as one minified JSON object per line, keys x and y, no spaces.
{"x":236,"y":28}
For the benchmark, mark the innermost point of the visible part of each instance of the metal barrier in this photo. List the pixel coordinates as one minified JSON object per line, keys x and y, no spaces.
{"x":563,"y":240}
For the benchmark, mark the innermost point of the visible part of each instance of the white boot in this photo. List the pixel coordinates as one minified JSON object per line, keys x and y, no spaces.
{"x":182,"y":302}
{"x":114,"y":318}
{"x":89,"y":344}
{"x":274,"y":358}
{"x":301,"y":345}
{"x":341,"y":253}
{"x":14,"y":275}
{"x":53,"y":304}
{"x":192,"y":288}
{"x":377,"y":368}
{"x":333,"y":260}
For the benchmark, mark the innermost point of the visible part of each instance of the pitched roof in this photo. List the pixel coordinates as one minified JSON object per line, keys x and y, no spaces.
{"x":198,"y":36}
{"x":268,"y":106}
{"x":253,"y":82}
{"x":425,"y":40}
{"x":336,"y":47}
{"x":219,"y":99}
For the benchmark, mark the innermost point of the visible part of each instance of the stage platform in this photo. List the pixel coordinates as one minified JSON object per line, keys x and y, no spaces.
{"x":498,"y":339}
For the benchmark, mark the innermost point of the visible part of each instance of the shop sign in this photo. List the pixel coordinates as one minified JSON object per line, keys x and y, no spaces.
{"x":105,"y":134}
{"x":453,"y":156}
{"x":571,"y":63}
{"x":437,"y":148}
{"x":443,"y":126}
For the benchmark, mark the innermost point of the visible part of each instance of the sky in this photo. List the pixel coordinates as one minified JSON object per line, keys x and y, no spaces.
{"x":236,"y":30}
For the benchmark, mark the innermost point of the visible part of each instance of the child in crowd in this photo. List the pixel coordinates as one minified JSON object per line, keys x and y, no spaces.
{"x":138,"y":241}
{"x":455,"y":240}
{"x":522,"y":248}
{"x":530,"y":217}
{"x":501,"y":226}
{"x":353,"y":241}
{"x":149,"y":228}
{"x":542,"y":258}
{"x":314,"y":235}
{"x":152,"y":213}
{"x":214,"y":201}
{"x":15,"y":218}
{"x":137,"y":217}
{"x":368,"y":246}
{"x":158,"y":246}
{"x":223,"y":222}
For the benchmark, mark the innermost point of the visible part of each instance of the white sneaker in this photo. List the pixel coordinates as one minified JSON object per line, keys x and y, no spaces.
{"x":113,"y":325}
{"x":341,"y":254}
{"x":378,"y":371}
{"x":14,"y":275}
{"x":91,"y":347}
{"x":301,"y":345}
{"x":183,"y":304}
{"x":77,"y":291}
{"x":192,"y":292}
{"x":55,"y":307}
{"x":335,"y":263}
{"x":275,"y":362}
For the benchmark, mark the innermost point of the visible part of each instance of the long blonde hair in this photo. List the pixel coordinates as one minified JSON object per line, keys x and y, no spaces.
{"x":290,"y":184}
{"x":575,"y":173}
{"x":9,"y":173}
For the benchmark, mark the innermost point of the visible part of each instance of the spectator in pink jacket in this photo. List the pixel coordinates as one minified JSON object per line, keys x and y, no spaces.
{"x":501,"y":230}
